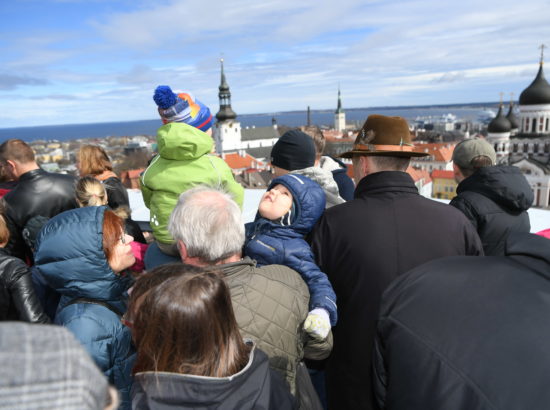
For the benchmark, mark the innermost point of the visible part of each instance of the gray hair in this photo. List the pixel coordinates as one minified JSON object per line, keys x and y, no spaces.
{"x":209,"y":223}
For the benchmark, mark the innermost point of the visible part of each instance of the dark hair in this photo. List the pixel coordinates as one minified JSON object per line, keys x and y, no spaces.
{"x":185,"y":324}
{"x":390,"y":163}
{"x":93,"y":160}
{"x":481,"y":161}
{"x":17,"y":150}
{"x":113,"y":228}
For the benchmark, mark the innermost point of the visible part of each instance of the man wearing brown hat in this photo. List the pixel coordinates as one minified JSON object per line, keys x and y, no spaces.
{"x":362,"y":245}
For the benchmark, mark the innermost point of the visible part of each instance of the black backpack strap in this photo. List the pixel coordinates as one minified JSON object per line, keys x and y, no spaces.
{"x":95,"y":302}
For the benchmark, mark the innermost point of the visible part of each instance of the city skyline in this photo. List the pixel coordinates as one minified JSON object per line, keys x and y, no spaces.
{"x":76,"y":61}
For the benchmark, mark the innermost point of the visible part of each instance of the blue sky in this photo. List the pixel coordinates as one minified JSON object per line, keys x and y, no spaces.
{"x":85,"y":61}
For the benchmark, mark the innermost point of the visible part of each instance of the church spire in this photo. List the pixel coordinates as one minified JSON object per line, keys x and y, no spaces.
{"x":225,"y":112}
{"x":339,"y":107}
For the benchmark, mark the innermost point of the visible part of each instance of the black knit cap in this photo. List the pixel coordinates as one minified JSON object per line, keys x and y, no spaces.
{"x":294,"y":150}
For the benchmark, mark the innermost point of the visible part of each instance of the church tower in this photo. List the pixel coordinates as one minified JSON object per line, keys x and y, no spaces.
{"x":227,"y":130}
{"x":339,"y":115}
{"x":499,"y":130}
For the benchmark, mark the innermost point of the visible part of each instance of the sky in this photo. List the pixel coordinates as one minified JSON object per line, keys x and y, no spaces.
{"x":87,"y":61}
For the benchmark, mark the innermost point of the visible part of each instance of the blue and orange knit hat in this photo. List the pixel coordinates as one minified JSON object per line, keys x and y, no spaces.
{"x":182,"y":107}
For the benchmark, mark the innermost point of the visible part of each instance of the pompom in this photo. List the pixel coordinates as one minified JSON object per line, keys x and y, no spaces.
{"x":164,"y":97}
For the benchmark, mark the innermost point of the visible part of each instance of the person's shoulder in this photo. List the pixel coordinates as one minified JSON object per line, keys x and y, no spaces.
{"x":282,"y":275}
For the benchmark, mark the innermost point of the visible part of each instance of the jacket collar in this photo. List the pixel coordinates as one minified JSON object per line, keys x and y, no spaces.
{"x":235,"y":267}
{"x":31,"y":174}
{"x":385,"y":181}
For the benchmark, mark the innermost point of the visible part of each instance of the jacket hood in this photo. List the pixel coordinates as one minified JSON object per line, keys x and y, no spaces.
{"x":247,"y":389}
{"x":179,"y":141}
{"x":70,"y":256}
{"x":326,"y":180}
{"x":309,"y":201}
{"x":504,"y":184}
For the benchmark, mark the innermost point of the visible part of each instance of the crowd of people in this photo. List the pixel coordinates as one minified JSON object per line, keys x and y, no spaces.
{"x":339,"y":295}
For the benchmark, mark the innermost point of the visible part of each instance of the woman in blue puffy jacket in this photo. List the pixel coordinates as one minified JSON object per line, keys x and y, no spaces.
{"x":83,"y":254}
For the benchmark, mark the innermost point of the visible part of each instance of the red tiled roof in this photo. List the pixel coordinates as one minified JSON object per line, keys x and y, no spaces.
{"x":418,"y":174}
{"x":443,"y":174}
{"x":236,"y":161}
{"x":442,"y":152}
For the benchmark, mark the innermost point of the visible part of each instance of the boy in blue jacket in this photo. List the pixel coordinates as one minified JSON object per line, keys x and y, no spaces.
{"x":287,"y":212}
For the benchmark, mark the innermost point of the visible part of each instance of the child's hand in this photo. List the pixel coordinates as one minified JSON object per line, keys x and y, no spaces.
{"x":317,"y":323}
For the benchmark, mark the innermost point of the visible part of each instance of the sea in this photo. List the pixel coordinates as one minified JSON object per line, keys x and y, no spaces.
{"x":355,"y":116}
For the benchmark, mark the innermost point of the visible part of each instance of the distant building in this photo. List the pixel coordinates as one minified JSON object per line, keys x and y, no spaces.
{"x":440,"y":158}
{"x":228,"y":134}
{"x":530,"y":146}
{"x":339,"y":115}
{"x":422,"y":180}
{"x":498,"y":135}
{"x":444,"y":184}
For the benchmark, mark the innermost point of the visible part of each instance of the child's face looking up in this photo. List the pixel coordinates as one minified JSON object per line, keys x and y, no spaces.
{"x":276,"y":202}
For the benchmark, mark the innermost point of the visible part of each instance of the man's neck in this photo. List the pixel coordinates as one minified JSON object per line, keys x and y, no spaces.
{"x":24,"y":168}
{"x":194,"y":261}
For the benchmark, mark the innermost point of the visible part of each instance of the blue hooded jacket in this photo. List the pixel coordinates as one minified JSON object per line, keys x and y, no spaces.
{"x":70,"y":256}
{"x":269,"y":242}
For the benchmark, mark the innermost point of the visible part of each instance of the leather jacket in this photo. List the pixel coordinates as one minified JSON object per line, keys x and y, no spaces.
{"x":18,"y":300}
{"x":37,"y":193}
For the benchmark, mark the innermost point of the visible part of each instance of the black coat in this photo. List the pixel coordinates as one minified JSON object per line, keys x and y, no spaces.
{"x":37,"y":193}
{"x":362,"y":246}
{"x":496,"y":200}
{"x":469,"y":333}
{"x":18,"y":300}
{"x":254,"y":387}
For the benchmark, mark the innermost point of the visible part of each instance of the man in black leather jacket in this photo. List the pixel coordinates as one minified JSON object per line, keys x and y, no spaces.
{"x":37,"y":193}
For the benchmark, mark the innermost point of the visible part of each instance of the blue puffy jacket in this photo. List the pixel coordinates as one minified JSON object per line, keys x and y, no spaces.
{"x":70,"y":256}
{"x":270,"y":243}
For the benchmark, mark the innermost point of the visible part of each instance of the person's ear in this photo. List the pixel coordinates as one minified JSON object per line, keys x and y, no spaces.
{"x":113,"y":399}
{"x":182,"y":250}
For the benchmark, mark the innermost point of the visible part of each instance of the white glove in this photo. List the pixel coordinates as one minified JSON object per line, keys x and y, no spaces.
{"x":317,"y":323}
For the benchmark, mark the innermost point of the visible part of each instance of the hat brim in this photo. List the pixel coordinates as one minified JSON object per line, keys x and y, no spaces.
{"x":403,"y":154}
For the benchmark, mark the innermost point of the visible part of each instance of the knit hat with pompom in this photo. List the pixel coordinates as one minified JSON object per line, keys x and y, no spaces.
{"x":182,"y":107}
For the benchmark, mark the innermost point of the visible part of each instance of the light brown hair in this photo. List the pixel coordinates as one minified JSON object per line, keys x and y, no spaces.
{"x":186,"y":325}
{"x":113,"y":229}
{"x":93,"y":160}
{"x":90,"y":192}
{"x":318,"y":139}
{"x":4,"y":231}
{"x":17,"y":150}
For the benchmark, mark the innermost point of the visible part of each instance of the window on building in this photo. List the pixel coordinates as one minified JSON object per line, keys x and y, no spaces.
{"x":541,"y":124}
{"x":515,"y":148}
{"x":546,"y":127}
{"x":536,"y":148}
{"x":534,"y":125}
{"x":525,"y":147}
{"x":526,"y":128}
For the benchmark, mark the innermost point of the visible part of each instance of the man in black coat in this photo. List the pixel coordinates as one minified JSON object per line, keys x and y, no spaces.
{"x":494,"y":198}
{"x":37,"y":193}
{"x":468,"y":333}
{"x":364,"y":244}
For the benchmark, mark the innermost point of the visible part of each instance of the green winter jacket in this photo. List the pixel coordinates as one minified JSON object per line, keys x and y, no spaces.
{"x":184,"y":160}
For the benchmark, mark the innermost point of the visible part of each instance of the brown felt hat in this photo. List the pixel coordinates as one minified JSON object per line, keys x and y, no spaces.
{"x":387,"y":136}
